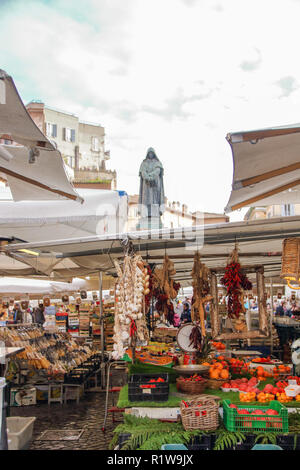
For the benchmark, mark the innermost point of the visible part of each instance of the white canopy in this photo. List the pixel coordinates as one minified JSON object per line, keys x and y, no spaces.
{"x":266,"y":167}
{"x":101,"y":212}
{"x":259,"y":241}
{"x":18,"y":286}
{"x":45,"y":177}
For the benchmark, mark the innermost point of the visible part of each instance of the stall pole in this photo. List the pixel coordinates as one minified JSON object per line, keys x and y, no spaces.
{"x":3,"y":431}
{"x":271,"y":316}
{"x":101,"y":328}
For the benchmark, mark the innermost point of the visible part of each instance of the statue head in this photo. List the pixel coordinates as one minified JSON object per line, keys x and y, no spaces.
{"x":151,"y":153}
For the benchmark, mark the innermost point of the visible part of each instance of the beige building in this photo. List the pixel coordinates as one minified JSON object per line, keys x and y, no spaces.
{"x":80,"y":143}
{"x":267,"y":212}
{"x":176,"y":215}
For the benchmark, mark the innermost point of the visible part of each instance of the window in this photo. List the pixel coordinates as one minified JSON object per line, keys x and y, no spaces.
{"x":51,"y":129}
{"x":95,"y":144}
{"x":7,"y":142}
{"x":70,"y":161}
{"x":69,"y":134}
{"x":287,"y":210}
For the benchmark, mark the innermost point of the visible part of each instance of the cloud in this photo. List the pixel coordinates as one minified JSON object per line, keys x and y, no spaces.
{"x":189,"y":3}
{"x":287,"y":85}
{"x":251,"y":64}
{"x":175,"y":106}
{"x":173,"y":74}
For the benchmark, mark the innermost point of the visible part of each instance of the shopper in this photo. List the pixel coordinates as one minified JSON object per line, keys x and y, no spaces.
{"x":28,"y":316}
{"x":178,"y":308}
{"x":17,"y":314}
{"x":176,"y":320}
{"x":186,"y":314}
{"x":2,"y":318}
{"x":38,"y":314}
{"x":280,"y":309}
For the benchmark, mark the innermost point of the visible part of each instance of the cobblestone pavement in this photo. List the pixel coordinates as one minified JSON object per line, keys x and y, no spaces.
{"x":88,"y":415}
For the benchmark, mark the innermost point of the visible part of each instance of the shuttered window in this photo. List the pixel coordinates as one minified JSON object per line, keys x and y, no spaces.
{"x":68,"y":134}
{"x":51,"y":129}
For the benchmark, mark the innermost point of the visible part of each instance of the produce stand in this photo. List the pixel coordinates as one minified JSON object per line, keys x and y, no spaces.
{"x":130,"y":257}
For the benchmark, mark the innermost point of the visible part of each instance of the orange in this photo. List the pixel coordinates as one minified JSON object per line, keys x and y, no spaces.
{"x":219,"y":365}
{"x":260,"y":371}
{"x":205,"y":363}
{"x":215,"y":374}
{"x":224,"y":374}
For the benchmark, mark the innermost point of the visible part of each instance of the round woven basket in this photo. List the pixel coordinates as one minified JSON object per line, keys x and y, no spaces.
{"x":191,"y":387}
{"x":215,"y":384}
{"x":290,"y":261}
{"x":205,"y":416}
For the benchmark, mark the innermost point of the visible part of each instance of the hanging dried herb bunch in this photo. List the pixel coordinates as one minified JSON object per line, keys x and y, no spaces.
{"x":201,"y":291}
{"x":235,"y":281}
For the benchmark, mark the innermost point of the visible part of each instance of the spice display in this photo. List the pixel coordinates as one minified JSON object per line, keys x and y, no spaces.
{"x":235,"y":281}
{"x":132,"y":286}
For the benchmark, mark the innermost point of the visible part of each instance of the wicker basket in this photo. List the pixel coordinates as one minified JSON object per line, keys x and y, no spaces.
{"x":215,"y":384}
{"x":191,"y":387}
{"x":290,"y":262}
{"x":204,"y":417}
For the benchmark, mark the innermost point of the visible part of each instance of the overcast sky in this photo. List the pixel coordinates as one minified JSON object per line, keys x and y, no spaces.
{"x":176,"y":75}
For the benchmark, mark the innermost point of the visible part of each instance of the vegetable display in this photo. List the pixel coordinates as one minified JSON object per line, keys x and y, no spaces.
{"x":132,"y":286}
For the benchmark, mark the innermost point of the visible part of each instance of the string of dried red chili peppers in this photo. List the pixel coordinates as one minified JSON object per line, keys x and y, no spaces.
{"x":235,"y":281}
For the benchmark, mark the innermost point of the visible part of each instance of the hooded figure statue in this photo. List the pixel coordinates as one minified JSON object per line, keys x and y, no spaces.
{"x":151,"y":196}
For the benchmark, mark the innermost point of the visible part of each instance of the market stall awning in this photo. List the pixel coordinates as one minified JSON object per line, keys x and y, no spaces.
{"x":259,"y":241}
{"x":33,"y":168}
{"x":102,"y":211}
{"x":266,"y":167}
{"x":17,"y":286}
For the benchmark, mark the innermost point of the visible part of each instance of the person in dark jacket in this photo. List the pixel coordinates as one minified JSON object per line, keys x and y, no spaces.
{"x":18,"y":314}
{"x":186,"y":314}
{"x":280,"y":310}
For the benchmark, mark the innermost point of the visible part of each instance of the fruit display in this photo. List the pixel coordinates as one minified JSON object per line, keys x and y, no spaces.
{"x":249,"y":418}
{"x":218,"y":370}
{"x":218,"y":345}
{"x":242,"y":385}
{"x":247,"y":397}
{"x":283,"y":398}
{"x":192,"y":378}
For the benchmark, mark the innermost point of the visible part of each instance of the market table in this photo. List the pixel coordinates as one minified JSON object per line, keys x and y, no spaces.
{"x":5,"y":353}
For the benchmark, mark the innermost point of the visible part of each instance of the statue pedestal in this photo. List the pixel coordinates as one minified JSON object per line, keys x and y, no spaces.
{"x":149,"y":223}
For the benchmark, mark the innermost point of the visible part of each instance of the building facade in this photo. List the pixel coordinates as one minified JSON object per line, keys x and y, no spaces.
{"x":176,"y":215}
{"x":268,"y":212}
{"x":81,"y":144}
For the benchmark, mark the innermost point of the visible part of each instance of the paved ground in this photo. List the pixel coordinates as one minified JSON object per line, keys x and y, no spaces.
{"x":87,"y":415}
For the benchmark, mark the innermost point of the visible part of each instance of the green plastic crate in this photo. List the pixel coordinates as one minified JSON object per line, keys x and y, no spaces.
{"x":249,"y":423}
